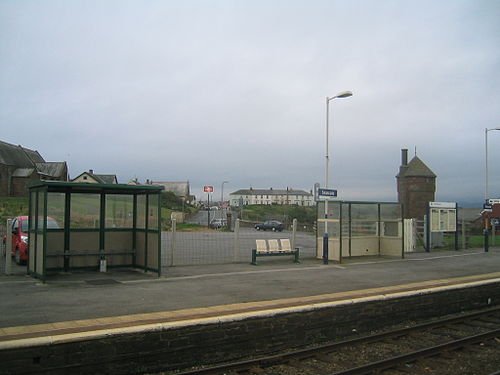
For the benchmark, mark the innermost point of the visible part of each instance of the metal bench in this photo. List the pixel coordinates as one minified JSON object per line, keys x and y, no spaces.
{"x":99,"y":253}
{"x":271,"y":248}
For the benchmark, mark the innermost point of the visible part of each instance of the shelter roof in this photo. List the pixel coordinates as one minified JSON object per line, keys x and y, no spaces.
{"x":82,"y":187}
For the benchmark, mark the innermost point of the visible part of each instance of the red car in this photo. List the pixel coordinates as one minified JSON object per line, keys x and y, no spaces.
{"x":20,"y":237}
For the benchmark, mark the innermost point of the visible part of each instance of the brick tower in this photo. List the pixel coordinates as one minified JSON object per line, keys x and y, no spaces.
{"x":416,"y":186}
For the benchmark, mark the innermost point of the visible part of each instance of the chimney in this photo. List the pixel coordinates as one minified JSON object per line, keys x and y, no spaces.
{"x":404,"y":156}
{"x":91,"y":171}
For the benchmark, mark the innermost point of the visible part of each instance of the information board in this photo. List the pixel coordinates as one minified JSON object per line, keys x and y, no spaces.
{"x":443,"y":216}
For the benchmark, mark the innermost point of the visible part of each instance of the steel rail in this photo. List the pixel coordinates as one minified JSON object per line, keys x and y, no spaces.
{"x":419,"y":354}
{"x":310,"y":352}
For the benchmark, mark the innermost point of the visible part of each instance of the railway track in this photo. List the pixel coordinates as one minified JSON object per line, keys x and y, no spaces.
{"x":464,"y":344}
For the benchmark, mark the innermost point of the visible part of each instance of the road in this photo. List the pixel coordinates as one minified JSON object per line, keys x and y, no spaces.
{"x":201,"y":217}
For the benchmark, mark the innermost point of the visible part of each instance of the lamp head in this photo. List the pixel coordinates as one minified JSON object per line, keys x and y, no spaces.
{"x":344,"y":94}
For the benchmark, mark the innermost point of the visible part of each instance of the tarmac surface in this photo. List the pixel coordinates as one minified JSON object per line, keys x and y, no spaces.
{"x":95,"y":298}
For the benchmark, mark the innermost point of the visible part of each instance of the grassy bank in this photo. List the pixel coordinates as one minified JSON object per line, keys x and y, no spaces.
{"x":258,"y":213}
{"x":13,"y":206}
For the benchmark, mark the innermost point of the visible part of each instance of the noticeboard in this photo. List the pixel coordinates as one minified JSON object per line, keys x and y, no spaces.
{"x":443,"y":216}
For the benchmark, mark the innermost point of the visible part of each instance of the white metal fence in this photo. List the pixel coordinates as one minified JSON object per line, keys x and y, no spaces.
{"x":206,"y":246}
{"x":217,"y":247}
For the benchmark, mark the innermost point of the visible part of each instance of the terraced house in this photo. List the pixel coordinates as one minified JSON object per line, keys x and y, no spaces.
{"x":19,"y":166}
{"x":270,"y":196}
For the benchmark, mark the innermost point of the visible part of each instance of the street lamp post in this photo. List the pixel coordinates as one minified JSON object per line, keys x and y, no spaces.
{"x":344,"y":94}
{"x":222,"y":197}
{"x":222,"y":192}
{"x":486,"y":192}
{"x":486,"y":130}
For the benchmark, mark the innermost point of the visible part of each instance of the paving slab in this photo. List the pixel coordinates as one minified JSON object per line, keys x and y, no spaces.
{"x":217,"y":288}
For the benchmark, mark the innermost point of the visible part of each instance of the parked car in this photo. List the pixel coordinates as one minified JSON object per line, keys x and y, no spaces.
{"x":19,"y":230}
{"x":270,"y":225}
{"x":218,"y":223}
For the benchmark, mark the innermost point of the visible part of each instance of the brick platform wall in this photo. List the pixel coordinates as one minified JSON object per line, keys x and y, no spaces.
{"x":211,"y":343}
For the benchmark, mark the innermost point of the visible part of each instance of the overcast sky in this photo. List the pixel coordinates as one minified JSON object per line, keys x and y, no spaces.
{"x":213,"y":91}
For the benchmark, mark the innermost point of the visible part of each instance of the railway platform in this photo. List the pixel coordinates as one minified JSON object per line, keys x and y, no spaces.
{"x":71,"y":308}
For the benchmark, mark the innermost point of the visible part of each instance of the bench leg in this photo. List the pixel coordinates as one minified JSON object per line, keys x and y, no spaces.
{"x":296,"y":258}
{"x":254,"y":257}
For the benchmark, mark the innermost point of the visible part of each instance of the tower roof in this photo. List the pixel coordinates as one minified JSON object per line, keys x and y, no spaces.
{"x":417,"y":168}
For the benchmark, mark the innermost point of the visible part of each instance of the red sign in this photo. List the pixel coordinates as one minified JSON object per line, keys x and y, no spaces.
{"x":208,"y":189}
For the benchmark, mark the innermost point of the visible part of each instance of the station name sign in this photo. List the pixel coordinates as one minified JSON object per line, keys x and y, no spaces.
{"x":326,"y":194}
{"x":443,"y":204}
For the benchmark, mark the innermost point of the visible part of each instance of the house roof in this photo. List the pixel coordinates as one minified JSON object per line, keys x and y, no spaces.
{"x":18,"y":156}
{"x":416,"y":168}
{"x":178,"y":188}
{"x":106,"y":178}
{"x":100,"y":178}
{"x":23,"y":172}
{"x":52,"y":169}
{"x":270,"y":192}
{"x":469,"y":214}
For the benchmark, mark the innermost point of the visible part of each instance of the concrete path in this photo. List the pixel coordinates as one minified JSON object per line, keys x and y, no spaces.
{"x":77,"y":296}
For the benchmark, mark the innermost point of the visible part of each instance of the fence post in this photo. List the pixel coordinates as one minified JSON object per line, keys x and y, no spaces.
{"x":236,"y":246}
{"x":173,"y":244}
{"x":8,"y":248}
{"x":294,"y":232}
{"x":463,"y":235}
{"x":486,"y":237}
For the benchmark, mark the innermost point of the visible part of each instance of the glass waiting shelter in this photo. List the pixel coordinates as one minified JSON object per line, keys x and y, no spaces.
{"x":360,"y":228}
{"x":93,"y":226}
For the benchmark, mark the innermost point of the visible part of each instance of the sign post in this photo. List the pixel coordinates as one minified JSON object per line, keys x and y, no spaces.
{"x":326,"y":195}
{"x":490,"y":213}
{"x":208,"y":189}
{"x":8,"y":248}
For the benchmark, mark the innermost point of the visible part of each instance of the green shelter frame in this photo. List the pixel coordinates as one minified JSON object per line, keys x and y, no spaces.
{"x":360,"y":229}
{"x":79,"y":225}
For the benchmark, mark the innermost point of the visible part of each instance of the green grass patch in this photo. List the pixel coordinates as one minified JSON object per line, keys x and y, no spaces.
{"x":283,"y":213}
{"x":13,"y":206}
{"x":185,"y":227}
{"x":472,"y":241}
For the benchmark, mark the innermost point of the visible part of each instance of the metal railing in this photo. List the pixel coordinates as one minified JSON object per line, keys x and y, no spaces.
{"x":219,"y":246}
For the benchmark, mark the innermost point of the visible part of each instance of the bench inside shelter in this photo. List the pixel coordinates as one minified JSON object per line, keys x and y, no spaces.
{"x":82,"y":226}
{"x":274,"y":248}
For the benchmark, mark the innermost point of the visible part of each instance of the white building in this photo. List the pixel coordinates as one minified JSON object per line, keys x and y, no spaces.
{"x":181,"y":189}
{"x":271,"y":196}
